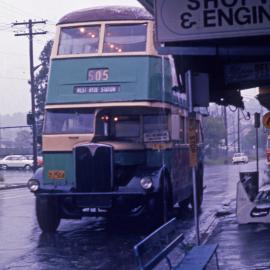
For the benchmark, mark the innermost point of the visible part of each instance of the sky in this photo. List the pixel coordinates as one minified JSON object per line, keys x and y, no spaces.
{"x":14,"y":51}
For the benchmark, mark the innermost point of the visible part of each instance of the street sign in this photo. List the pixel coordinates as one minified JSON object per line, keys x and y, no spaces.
{"x":266,"y":120}
{"x":192,"y":138}
{"x":189,"y":20}
{"x":257,"y":120}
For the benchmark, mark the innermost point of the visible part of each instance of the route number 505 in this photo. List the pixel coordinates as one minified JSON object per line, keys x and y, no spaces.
{"x":98,"y":74}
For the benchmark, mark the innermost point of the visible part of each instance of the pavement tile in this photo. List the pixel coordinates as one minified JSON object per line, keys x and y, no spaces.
{"x":244,"y":247}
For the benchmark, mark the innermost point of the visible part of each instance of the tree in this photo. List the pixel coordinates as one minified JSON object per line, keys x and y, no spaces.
{"x":214,"y":135}
{"x":23,"y":139}
{"x":249,"y":138}
{"x":41,"y":83}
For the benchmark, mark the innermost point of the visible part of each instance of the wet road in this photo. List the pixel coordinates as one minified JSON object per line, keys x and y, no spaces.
{"x":93,"y":243}
{"x":15,"y":176}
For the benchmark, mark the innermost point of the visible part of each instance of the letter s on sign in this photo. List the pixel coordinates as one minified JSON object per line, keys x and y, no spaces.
{"x":195,"y":4}
{"x":185,"y":20}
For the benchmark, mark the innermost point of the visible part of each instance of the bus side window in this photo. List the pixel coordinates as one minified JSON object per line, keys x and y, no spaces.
{"x":175,"y":126}
{"x":175,"y":82}
{"x":182,"y":130}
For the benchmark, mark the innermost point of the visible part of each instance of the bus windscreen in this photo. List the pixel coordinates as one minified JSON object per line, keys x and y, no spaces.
{"x":69,"y":121}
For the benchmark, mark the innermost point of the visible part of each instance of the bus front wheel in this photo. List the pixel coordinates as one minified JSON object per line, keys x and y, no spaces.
{"x":48,"y":214}
{"x":161,"y":205}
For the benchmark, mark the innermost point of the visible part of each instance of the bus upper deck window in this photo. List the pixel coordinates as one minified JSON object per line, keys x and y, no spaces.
{"x":79,"y":40}
{"x":125,"y":38}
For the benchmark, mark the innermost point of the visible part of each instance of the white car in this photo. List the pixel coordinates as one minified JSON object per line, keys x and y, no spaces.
{"x":16,"y":161}
{"x":239,"y":158}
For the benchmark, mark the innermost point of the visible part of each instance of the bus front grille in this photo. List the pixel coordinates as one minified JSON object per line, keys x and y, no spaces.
{"x":94,"y":168}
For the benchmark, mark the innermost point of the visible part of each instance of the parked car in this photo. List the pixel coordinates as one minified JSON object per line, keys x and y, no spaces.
{"x":39,"y":159}
{"x":239,"y":158}
{"x":16,"y":161}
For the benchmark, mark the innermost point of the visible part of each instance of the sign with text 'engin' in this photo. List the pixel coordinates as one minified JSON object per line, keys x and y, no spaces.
{"x":188,"y":20}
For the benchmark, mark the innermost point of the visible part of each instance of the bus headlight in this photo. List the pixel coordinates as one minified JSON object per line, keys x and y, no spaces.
{"x":146,"y":183}
{"x":33,"y":185}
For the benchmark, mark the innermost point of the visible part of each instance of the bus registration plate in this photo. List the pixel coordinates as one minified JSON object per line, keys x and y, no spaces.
{"x":56,"y":174}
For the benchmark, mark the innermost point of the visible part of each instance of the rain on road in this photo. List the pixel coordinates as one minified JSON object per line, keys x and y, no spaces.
{"x":94,"y":243}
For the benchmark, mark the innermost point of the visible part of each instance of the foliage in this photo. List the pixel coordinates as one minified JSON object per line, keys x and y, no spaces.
{"x":23,"y":139}
{"x":249,"y":138}
{"x":40,"y":84}
{"x":214,"y":134}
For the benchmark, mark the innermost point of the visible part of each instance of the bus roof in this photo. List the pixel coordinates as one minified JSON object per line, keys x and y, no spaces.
{"x":109,"y":13}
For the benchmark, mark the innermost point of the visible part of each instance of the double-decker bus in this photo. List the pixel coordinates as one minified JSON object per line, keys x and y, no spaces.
{"x":115,"y":129}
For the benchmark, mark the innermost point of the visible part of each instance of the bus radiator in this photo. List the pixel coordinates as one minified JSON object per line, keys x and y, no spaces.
{"x":94,"y":168}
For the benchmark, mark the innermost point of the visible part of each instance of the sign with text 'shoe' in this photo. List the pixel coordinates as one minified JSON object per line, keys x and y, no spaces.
{"x":189,"y":20}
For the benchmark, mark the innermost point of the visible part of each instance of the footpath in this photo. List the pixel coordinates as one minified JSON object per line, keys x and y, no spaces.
{"x":241,"y":247}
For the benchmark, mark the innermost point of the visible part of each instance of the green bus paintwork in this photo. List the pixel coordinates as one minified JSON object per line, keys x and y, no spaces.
{"x":138,"y":77}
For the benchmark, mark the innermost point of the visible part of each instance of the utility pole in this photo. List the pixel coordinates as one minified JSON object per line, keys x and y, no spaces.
{"x":234,"y":132}
{"x":238,"y":131}
{"x":226,"y":130}
{"x":257,"y":123}
{"x":0,"y":135}
{"x":30,"y":34}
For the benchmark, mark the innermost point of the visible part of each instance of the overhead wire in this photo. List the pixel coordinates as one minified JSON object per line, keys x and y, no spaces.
{"x":15,"y":10}
{"x":246,"y":117}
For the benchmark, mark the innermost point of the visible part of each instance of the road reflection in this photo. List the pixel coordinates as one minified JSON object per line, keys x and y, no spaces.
{"x":91,"y":244}
{"x":15,"y":176}
{"x":95,"y":243}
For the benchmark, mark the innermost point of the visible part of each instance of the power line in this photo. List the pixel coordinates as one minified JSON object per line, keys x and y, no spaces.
{"x":15,"y":11}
